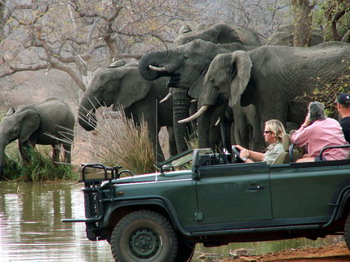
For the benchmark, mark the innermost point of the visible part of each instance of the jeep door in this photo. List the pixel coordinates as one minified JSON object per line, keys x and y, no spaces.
{"x":306,"y":193}
{"x":233,"y":195}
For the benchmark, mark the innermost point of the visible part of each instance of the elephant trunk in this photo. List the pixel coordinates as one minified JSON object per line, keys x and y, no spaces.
{"x":86,"y":115}
{"x":153,"y":65}
{"x":181,"y":107}
{"x":204,"y":130}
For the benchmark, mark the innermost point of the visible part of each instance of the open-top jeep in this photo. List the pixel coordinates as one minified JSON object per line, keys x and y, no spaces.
{"x":206,"y":197}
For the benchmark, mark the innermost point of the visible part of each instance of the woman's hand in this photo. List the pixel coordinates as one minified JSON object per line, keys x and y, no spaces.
{"x":307,"y":122}
{"x":244,"y":153}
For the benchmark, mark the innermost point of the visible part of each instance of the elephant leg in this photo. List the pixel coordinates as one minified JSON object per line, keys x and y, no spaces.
{"x":67,"y":148}
{"x":242,"y":135}
{"x":24,"y":149}
{"x":56,"y":150}
{"x":153,"y":136}
{"x":159,"y":151}
{"x":172,"y":142}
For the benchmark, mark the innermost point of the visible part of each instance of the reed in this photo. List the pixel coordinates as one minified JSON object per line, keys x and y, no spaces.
{"x":118,"y":142}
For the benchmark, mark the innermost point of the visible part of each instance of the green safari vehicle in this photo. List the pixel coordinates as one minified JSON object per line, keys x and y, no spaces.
{"x":204,"y":197}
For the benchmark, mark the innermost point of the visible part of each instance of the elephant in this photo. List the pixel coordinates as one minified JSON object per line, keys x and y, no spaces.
{"x":50,"y":122}
{"x":271,"y":77}
{"x":285,"y":36}
{"x":121,"y":85}
{"x":219,"y":33}
{"x":186,"y":66}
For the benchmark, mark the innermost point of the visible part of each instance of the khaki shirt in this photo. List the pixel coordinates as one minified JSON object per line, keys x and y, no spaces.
{"x":272,"y":152}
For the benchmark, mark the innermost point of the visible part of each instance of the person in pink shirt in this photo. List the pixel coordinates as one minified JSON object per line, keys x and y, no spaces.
{"x":317,"y":132}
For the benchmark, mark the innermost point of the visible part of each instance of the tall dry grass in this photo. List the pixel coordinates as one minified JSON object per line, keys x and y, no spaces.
{"x":116,"y":141}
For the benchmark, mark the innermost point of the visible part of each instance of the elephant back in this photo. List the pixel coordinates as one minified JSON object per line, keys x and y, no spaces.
{"x":285,"y":36}
{"x":219,"y":33}
{"x":55,"y":115}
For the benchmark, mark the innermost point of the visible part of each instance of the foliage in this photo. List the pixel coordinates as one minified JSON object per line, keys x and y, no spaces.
{"x":333,"y":16}
{"x":118,"y":142}
{"x":262,"y":16}
{"x":327,"y":91}
{"x":40,"y":168}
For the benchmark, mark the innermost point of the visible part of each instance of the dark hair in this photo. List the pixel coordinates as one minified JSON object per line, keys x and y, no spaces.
{"x":316,"y":111}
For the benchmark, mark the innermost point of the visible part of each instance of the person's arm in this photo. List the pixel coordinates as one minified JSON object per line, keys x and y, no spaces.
{"x":249,"y":155}
{"x":300,"y":137}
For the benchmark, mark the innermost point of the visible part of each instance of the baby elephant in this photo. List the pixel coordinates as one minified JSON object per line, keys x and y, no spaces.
{"x":50,"y":122}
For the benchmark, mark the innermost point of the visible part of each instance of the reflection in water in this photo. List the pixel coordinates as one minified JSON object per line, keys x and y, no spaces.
{"x":31,"y":227}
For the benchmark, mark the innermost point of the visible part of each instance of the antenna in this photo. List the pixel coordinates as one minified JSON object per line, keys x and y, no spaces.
{"x":157,"y":138}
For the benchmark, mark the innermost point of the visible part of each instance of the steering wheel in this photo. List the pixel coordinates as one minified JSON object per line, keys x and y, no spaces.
{"x":236,"y":157}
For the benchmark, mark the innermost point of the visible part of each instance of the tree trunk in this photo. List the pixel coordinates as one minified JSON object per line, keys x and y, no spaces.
{"x":302,"y":22}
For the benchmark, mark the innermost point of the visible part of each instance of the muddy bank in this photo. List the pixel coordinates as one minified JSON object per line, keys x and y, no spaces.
{"x":334,"y":252}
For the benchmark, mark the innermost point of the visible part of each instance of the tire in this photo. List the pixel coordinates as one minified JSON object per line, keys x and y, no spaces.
{"x":144,"y":236}
{"x":347,"y":231}
{"x":184,"y":252}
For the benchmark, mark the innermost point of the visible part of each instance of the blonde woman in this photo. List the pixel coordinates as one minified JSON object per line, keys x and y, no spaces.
{"x":273,"y":134}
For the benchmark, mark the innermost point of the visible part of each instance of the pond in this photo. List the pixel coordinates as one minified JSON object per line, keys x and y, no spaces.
{"x":31,"y":228}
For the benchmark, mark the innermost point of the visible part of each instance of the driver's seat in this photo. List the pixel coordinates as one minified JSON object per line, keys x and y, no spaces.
{"x":283,"y":157}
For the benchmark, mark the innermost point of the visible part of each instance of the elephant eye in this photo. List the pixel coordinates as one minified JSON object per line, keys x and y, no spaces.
{"x":185,"y":56}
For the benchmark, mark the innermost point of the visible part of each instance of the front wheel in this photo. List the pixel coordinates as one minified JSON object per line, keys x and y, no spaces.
{"x":144,"y":236}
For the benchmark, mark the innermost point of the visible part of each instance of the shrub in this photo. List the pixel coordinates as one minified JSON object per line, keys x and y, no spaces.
{"x":39,"y":168}
{"x":118,"y":142}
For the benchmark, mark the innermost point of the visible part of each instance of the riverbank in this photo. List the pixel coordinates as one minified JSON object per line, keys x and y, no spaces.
{"x":329,"y":253}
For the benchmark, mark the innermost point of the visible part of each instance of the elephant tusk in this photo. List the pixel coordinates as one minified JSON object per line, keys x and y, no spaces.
{"x":165,"y":98}
{"x":194,"y":116}
{"x":157,"y":69}
{"x":217,"y":121}
{"x":194,"y":100}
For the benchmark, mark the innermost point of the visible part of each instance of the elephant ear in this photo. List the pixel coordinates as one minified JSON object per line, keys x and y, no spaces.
{"x":131,"y":92}
{"x":222,"y":33}
{"x":29,"y":123}
{"x":241,"y":68}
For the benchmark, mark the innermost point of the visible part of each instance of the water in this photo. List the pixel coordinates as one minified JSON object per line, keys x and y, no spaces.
{"x":31,"y":228}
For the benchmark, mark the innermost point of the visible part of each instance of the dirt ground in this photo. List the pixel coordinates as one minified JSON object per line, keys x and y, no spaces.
{"x":334,"y":252}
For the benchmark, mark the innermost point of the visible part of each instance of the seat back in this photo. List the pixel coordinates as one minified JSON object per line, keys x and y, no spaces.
{"x":283,"y":157}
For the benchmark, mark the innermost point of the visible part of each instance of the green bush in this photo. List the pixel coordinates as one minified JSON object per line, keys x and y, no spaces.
{"x":40,"y":168}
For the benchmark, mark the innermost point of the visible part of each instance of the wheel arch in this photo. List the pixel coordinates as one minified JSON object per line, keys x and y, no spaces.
{"x":115,"y":213}
{"x":340,"y":204}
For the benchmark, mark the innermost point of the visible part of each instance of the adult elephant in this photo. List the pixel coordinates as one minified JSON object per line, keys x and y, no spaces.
{"x":271,"y":77}
{"x":219,"y":33}
{"x":122,"y":85}
{"x":210,"y":133}
{"x":186,"y":66}
{"x":285,"y":36}
{"x":50,"y":122}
